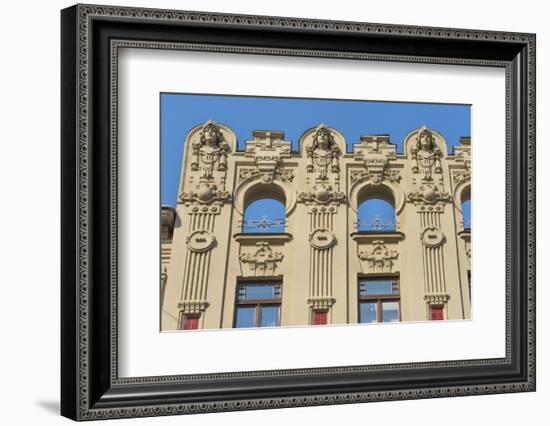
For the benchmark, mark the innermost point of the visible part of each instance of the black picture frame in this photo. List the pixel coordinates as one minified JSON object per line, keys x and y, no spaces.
{"x":90,"y":386}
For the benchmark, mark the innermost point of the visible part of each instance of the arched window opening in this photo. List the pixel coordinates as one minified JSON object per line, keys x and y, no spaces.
{"x":265,"y":214}
{"x":375,"y":215}
{"x":466,"y":207}
{"x":376,"y":210}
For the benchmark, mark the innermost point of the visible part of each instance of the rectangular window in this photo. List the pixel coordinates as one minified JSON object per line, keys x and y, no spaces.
{"x":258,"y":305}
{"x":320,"y":318}
{"x":379,"y":300}
{"x":437,"y":313}
{"x":190,"y":322}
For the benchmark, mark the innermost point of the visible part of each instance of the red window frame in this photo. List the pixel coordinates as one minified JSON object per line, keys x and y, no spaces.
{"x":320,"y":317}
{"x":190,"y":322}
{"x":436,"y":313}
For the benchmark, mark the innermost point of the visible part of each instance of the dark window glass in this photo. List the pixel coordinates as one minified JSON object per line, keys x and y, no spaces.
{"x":368,"y":312}
{"x":246,"y":316}
{"x":375,"y":287}
{"x":390,"y":311}
{"x":259,"y":291}
{"x":269,"y":316}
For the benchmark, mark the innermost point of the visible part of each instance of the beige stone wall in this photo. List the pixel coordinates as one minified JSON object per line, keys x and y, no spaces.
{"x":320,"y":256}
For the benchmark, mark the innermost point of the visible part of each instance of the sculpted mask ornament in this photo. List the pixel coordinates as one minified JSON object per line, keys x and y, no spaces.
{"x":323,"y":153}
{"x":210,"y":151}
{"x":426,"y":154}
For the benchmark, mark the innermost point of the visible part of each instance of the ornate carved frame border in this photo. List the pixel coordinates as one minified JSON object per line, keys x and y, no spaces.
{"x":91,"y":37}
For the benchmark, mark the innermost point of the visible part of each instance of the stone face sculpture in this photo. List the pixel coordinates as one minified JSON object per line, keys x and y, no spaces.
{"x":426,"y":155}
{"x":323,"y":153}
{"x":209,"y":151}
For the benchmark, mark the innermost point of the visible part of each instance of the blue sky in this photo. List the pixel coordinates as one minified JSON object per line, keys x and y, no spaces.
{"x":181,"y":112}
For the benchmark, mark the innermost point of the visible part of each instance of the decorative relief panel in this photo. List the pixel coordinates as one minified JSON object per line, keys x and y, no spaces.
{"x":375,"y":152}
{"x":322,"y":194}
{"x":376,"y":171}
{"x":379,"y":258}
{"x":205,"y":193}
{"x":429,"y":195}
{"x":268,"y":149}
{"x":460,"y":176}
{"x":262,"y":262}
{"x":281,"y":173}
{"x":463,"y":152}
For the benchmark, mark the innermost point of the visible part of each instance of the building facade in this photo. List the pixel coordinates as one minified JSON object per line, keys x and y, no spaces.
{"x":322,"y":261}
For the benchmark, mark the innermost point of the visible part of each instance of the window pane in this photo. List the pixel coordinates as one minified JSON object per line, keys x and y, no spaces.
{"x":466,"y":214}
{"x":270,"y":316}
{"x":377,"y":287}
{"x":367,"y":312}
{"x":437,"y":313}
{"x":259,"y":291}
{"x":245,"y":316}
{"x":390,"y":311}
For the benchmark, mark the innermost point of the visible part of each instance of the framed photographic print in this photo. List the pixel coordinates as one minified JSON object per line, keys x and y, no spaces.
{"x":263,"y":212}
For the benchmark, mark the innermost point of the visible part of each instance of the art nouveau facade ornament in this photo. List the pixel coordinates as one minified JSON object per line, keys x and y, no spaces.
{"x":268,"y":149}
{"x":378,"y":258}
{"x":318,"y":255}
{"x":375,"y":152}
{"x":261,"y":262}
